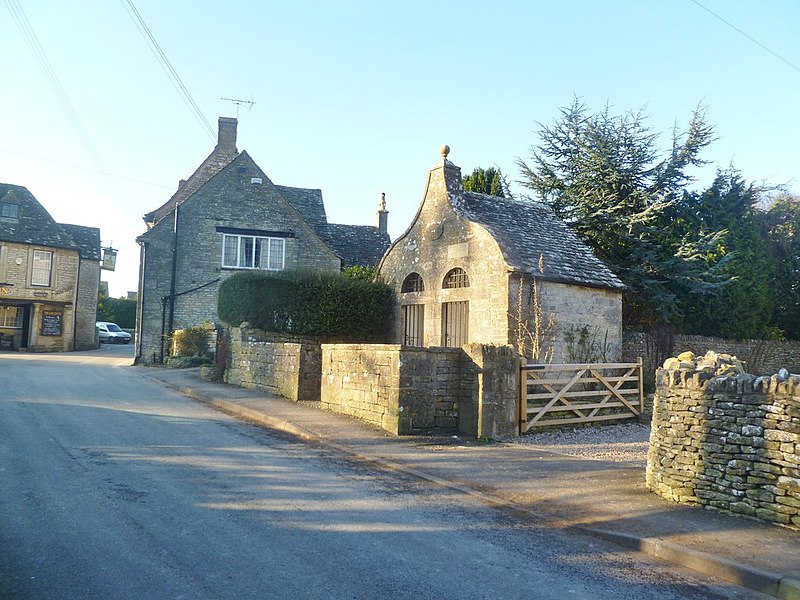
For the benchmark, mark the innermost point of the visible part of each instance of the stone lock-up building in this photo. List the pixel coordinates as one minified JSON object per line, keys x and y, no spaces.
{"x":465,"y":271}
{"x":228,"y":216}
{"x":49,"y":278}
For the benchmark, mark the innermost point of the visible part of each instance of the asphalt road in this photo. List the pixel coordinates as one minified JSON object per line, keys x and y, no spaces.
{"x":111,"y":486}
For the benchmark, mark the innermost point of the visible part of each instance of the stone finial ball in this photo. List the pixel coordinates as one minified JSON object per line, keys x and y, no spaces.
{"x":444,"y":150}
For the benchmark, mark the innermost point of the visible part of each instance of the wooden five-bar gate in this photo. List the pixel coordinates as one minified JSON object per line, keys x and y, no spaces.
{"x":581,"y":393}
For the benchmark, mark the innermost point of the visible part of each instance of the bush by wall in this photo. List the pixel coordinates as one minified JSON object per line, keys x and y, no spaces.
{"x":190,"y":341}
{"x":326,"y":306}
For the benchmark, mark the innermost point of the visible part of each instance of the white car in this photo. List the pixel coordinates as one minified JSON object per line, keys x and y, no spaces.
{"x":111,"y":333}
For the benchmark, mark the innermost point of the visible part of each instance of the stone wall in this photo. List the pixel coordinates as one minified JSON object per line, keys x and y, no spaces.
{"x":86,"y":305}
{"x":567,"y":310}
{"x":405,"y":390}
{"x":402,"y":390}
{"x":276,"y":364}
{"x":760,"y":356}
{"x":730,"y":443}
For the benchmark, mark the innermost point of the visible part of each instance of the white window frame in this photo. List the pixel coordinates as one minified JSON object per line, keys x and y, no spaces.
{"x":38,"y":268}
{"x":265,"y":257}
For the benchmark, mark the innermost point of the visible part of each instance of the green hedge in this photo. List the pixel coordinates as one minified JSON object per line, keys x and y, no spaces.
{"x":121,"y":311}
{"x":327,"y":306}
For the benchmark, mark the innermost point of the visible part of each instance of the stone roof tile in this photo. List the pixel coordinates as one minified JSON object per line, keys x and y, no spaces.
{"x":308,"y":203}
{"x":87,"y":239}
{"x":34,"y":225}
{"x":357,"y":245}
{"x":528,"y":232}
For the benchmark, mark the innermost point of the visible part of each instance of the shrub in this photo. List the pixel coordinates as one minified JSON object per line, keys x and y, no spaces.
{"x":365,"y":273}
{"x":186,"y":362}
{"x":326,"y":306}
{"x":191,"y":341}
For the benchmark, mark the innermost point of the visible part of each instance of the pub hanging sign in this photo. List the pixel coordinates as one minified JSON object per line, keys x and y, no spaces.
{"x":109,"y":259}
{"x":51,"y":322}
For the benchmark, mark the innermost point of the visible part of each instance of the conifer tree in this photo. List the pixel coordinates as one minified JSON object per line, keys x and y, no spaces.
{"x":605,"y":175}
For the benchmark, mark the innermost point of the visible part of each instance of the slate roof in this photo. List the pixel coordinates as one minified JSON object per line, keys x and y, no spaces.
{"x":308,"y":203}
{"x":361,"y":245}
{"x":34,"y":225}
{"x":357,"y":245}
{"x":526,"y":231}
{"x":87,"y":239}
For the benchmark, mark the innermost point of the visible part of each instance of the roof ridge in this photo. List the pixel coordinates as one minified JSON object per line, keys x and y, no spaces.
{"x":199,"y":177}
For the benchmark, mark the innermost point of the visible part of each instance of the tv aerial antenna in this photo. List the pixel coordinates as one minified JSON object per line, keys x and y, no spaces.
{"x":238,"y":103}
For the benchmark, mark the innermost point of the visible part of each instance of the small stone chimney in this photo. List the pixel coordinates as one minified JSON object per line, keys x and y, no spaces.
{"x":226,"y":138}
{"x":383,"y":216}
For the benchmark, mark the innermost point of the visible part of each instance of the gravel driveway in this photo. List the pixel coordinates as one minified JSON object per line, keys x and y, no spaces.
{"x":626,"y":442}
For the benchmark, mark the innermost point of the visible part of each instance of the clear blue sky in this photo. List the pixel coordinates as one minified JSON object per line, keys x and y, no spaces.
{"x":356,"y":98}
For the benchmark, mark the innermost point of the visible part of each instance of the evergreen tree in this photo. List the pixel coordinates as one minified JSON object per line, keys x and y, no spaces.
{"x":744,"y":307}
{"x":605,"y":176}
{"x":121,"y":311}
{"x":486,"y":181}
{"x":782,"y":222}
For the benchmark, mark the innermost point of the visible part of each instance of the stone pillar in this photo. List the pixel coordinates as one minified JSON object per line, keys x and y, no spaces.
{"x":493,"y":414}
{"x":383,"y":216}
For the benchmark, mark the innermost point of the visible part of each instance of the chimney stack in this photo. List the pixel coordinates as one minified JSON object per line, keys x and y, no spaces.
{"x":226,"y":138}
{"x":383,"y":216}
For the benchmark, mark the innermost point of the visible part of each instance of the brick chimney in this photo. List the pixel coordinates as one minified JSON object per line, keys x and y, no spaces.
{"x":226,"y":139}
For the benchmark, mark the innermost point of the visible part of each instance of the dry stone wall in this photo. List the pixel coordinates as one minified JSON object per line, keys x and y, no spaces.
{"x":759,"y":356}
{"x":730,"y":442}
{"x":276,"y":364}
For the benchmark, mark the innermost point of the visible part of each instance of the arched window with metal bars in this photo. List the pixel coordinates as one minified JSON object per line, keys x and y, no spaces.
{"x":413,"y":283}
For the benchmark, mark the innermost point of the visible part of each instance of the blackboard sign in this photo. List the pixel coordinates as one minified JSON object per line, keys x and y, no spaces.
{"x":6,"y":342}
{"x":51,"y":323}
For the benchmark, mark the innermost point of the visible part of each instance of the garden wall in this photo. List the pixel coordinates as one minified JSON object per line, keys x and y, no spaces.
{"x":414,"y":390}
{"x":276,"y":364}
{"x":760,"y":356}
{"x":730,"y":443}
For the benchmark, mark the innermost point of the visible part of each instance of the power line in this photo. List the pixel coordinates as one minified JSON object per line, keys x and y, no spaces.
{"x":39,"y":55}
{"x":749,"y":37}
{"x":167,"y":67}
{"x":98,"y":172}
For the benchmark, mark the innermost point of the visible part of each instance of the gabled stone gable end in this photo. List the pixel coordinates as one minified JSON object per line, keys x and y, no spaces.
{"x":459,"y":267}
{"x":230,"y":197}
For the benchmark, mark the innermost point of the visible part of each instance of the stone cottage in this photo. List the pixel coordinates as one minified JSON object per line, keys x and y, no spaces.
{"x":478,"y":268}
{"x":49,"y":277}
{"x":228,"y":216}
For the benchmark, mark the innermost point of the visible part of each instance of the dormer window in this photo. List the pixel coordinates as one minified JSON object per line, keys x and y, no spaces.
{"x":9,"y":211}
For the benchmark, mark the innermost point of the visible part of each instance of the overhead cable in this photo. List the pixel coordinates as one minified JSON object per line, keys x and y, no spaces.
{"x":28,"y":33}
{"x":749,"y":37}
{"x":169,"y":70}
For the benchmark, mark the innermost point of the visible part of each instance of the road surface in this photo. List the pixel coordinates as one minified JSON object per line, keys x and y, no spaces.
{"x":112,"y":486}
